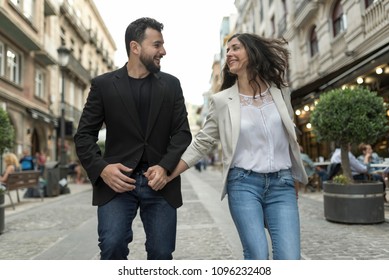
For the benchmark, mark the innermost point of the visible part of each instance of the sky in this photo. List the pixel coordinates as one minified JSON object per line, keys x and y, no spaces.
{"x":191,"y":34}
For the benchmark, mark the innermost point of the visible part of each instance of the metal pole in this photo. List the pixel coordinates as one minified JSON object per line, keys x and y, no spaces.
{"x":62,"y":131}
{"x":63,"y":167}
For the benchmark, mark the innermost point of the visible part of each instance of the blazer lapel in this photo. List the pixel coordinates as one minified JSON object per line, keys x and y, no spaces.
{"x":233,"y":103}
{"x":124,"y":91}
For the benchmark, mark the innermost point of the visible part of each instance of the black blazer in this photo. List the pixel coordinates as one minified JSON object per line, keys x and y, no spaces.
{"x":110,"y":102}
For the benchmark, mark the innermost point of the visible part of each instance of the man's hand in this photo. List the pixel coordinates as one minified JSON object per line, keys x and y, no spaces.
{"x":157,"y":177}
{"x":113,"y":175}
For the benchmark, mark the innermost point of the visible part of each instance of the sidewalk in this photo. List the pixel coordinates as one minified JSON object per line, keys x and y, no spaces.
{"x":28,"y":203}
{"x":64,"y":228}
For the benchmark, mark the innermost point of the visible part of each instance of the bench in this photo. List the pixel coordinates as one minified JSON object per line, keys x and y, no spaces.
{"x":20,"y":180}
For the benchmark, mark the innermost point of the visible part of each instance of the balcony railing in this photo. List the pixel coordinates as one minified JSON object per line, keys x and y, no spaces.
{"x":375,"y":17}
{"x":69,"y":12}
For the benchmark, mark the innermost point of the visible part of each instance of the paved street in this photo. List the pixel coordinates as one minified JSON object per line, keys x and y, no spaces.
{"x":64,"y":228}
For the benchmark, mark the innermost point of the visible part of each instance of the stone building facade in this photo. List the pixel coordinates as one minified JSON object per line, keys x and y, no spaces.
{"x":333,"y":43}
{"x":31,"y":80}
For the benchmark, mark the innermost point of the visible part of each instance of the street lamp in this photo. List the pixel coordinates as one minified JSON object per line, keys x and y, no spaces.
{"x":63,"y":60}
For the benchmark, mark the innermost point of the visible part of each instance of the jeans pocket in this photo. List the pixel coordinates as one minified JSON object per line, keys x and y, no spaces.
{"x":287,"y":180}
{"x":236,"y":174}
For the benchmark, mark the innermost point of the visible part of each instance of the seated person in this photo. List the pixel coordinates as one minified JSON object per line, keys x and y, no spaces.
{"x":368,"y":155}
{"x":77,"y":172}
{"x":359,"y":169}
{"x":11,"y":165}
{"x":311,"y":169}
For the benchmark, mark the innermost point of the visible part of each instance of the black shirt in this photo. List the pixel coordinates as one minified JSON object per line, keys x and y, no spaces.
{"x":141,"y":90}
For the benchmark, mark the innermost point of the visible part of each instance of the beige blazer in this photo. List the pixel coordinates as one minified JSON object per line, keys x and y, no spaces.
{"x":223,"y":123}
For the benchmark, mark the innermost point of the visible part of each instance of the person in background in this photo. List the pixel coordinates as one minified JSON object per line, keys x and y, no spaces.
{"x":370,"y":157}
{"x":252,"y":118}
{"x":311,"y":169}
{"x":147,"y":130}
{"x":359,"y":169}
{"x":41,"y":161}
{"x":78,"y":172}
{"x":11,"y":165}
{"x":27,"y":162}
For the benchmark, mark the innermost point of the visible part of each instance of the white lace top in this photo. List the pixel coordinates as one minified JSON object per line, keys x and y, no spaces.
{"x":263,"y":144}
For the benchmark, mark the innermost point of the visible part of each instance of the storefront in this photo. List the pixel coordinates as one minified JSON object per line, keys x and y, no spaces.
{"x":371,"y":70}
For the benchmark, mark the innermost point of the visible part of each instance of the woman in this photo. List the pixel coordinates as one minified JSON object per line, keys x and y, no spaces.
{"x":252,"y":118}
{"x":11,"y":165}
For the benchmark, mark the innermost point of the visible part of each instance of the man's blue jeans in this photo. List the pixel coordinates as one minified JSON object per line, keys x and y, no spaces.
{"x":158,"y":217}
{"x":259,"y":200}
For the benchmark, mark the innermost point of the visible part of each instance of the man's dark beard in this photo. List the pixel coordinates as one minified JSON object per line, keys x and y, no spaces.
{"x":149,"y":64}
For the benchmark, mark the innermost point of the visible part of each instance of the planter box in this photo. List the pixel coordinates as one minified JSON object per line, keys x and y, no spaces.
{"x":357,"y":203}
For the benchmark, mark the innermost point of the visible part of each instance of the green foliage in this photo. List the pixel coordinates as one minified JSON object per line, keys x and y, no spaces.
{"x":2,"y":189}
{"x":349,"y":116}
{"x":7,"y":134}
{"x":341,"y":179}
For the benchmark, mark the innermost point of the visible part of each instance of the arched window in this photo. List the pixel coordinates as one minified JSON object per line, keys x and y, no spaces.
{"x":368,"y":3}
{"x":313,"y":43}
{"x":338,"y":19}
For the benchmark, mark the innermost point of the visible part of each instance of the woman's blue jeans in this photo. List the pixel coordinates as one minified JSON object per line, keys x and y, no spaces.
{"x":259,"y":200}
{"x":158,"y":217}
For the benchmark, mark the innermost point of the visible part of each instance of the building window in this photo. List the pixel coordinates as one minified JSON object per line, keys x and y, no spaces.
{"x":1,"y":59}
{"x":17,"y":3}
{"x":338,"y":19}
{"x":313,"y":43}
{"x":79,"y":99}
{"x":13,"y":66}
{"x":72,"y":46}
{"x":26,"y":7}
{"x":369,"y":3}
{"x":39,"y":84}
{"x":63,"y":36}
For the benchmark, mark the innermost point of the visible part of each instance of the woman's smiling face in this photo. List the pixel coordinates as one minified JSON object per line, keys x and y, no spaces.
{"x":237,"y":58}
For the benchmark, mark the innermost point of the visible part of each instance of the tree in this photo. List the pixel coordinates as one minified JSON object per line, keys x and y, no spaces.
{"x":349,"y":116}
{"x":7,"y":134}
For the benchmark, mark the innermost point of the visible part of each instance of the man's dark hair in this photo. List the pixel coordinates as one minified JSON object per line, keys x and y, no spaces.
{"x":136,"y":30}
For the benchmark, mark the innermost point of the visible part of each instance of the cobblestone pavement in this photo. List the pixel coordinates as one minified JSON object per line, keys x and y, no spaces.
{"x":324,"y":240}
{"x":64,"y":227}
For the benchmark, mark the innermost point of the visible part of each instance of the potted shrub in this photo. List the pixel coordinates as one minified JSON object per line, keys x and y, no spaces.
{"x":351,"y":116}
{"x":6,"y":141}
{"x":7,"y":134}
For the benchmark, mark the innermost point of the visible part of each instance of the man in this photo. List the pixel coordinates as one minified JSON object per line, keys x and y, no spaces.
{"x":144,"y":112}
{"x":27,"y":162}
{"x":359,"y":169}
